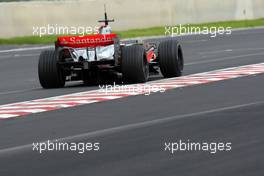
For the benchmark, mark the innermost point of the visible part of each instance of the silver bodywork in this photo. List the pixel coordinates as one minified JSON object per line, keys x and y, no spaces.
{"x":98,"y":53}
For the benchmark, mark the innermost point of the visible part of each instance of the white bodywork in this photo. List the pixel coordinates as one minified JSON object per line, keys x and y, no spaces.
{"x":101,"y":52}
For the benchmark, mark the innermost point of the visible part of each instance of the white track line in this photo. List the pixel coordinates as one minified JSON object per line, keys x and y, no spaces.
{"x":25,"y":49}
{"x":122,"y":128}
{"x":224,"y":58}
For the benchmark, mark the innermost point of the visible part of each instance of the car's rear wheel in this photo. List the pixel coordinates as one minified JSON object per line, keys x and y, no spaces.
{"x":171,"y":60}
{"x":134,"y":64}
{"x":50,"y":73}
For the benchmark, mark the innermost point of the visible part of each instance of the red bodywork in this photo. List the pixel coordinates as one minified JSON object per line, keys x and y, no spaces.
{"x":94,"y":41}
{"x":86,"y":41}
{"x":150,"y":55}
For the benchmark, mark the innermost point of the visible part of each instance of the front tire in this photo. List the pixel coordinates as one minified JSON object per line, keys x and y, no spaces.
{"x":50,"y":74}
{"x":170,"y":58}
{"x":134,"y":65}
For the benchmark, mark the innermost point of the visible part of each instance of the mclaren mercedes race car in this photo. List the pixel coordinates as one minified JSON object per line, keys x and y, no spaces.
{"x":82,"y":57}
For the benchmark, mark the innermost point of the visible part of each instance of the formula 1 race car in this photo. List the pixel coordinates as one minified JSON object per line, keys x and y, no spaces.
{"x":82,"y":57}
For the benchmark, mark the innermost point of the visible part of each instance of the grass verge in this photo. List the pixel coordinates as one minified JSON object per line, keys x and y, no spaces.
{"x":153,"y":31}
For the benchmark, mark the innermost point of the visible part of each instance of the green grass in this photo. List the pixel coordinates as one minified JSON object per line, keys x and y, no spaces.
{"x":154,"y":31}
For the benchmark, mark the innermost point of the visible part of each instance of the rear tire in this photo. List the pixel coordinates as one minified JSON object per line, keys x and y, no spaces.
{"x":50,"y":74}
{"x":134,"y":64}
{"x":171,"y":60}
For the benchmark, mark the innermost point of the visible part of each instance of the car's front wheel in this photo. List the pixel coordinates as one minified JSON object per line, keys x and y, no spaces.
{"x":171,"y":60}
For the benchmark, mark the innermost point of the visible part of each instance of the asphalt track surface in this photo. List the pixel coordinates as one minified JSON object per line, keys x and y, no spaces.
{"x":132,"y":131}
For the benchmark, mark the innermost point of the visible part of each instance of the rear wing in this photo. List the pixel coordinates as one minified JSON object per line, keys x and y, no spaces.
{"x":86,"y":41}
